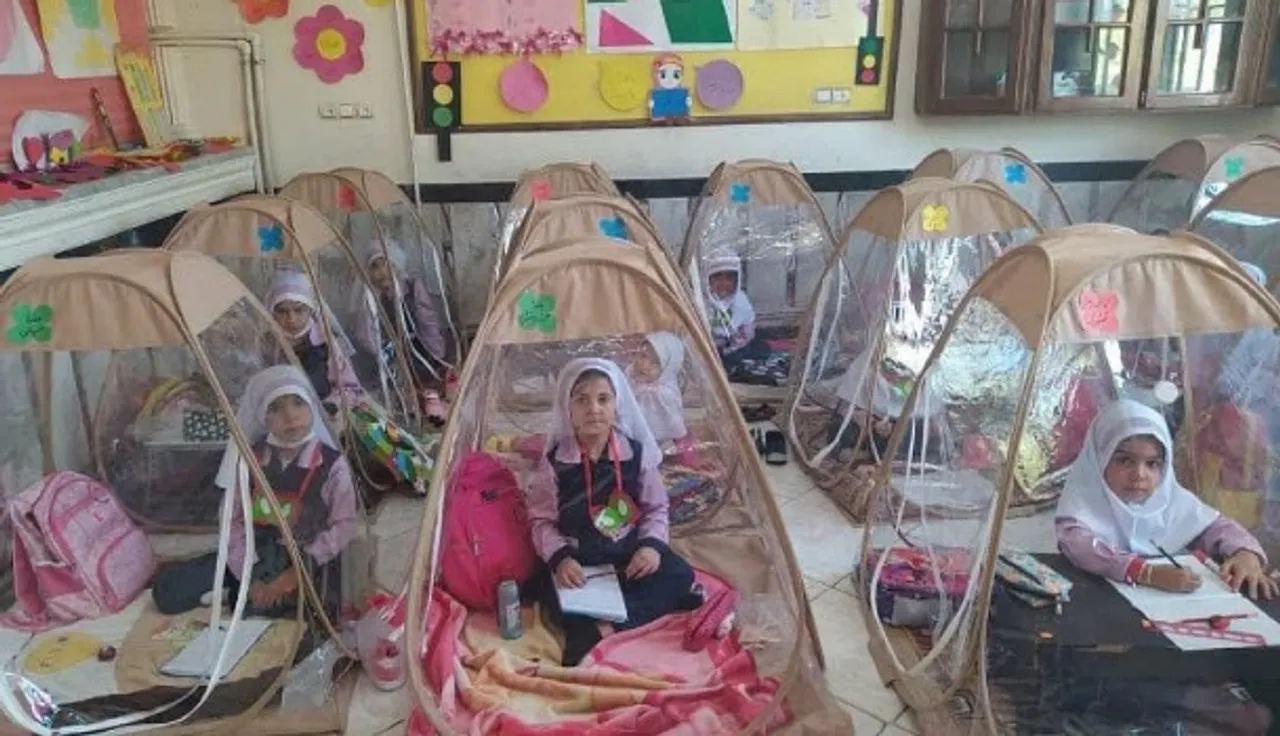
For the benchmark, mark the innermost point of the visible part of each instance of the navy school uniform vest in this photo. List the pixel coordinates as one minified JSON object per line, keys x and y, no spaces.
{"x":574,"y":516}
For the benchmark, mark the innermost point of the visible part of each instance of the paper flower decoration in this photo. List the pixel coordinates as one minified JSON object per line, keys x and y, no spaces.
{"x":740,"y":193}
{"x":1015,"y":174}
{"x":256,"y":11}
{"x":1235,"y":168}
{"x":30,"y":324}
{"x":613,"y":227}
{"x":936,"y":218}
{"x":1097,"y":310}
{"x":328,"y":43}
{"x":271,"y":238}
{"x":536,"y":312}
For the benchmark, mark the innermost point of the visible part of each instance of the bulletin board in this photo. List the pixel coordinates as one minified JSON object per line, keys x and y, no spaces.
{"x":548,"y":64}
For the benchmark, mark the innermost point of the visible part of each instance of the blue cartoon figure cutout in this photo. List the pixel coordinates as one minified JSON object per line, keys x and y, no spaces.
{"x":669,"y":100}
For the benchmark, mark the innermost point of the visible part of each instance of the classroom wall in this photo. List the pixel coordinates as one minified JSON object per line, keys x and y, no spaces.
{"x":47,"y":92}
{"x":303,"y":141}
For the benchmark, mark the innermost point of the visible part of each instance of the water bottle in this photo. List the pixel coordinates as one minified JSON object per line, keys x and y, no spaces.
{"x":509,"y":610}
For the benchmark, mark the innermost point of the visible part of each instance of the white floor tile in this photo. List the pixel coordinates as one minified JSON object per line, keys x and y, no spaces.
{"x":851,"y":675}
{"x":825,"y":542}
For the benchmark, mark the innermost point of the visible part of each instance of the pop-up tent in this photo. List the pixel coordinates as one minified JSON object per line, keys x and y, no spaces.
{"x":124,"y":368}
{"x":1244,"y":220}
{"x":723,"y":518}
{"x":759,"y":220}
{"x":1173,"y":188}
{"x":1008,"y":168}
{"x":1035,"y":351}
{"x":905,"y":261}
{"x":543,"y":184}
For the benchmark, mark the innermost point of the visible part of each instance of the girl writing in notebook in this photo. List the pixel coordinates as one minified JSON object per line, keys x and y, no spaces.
{"x":597,"y":499}
{"x":1122,"y":509}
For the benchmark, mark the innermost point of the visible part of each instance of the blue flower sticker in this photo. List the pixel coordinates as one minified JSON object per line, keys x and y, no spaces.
{"x":740,"y":193}
{"x":613,"y":227}
{"x":271,"y":238}
{"x":1015,"y":173}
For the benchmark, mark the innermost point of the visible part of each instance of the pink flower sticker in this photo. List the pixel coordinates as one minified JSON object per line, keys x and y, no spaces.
{"x":346,"y":198}
{"x":329,"y":43}
{"x":541,"y":190}
{"x":1097,"y":310}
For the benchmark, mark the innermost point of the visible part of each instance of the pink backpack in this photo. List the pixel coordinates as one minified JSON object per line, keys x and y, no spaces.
{"x":486,"y":537}
{"x":76,"y":553}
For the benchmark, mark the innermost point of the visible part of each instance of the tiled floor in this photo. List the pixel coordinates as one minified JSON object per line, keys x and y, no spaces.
{"x":825,"y":544}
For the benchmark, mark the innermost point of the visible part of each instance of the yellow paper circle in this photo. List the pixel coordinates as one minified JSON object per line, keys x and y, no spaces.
{"x":624,"y":86}
{"x":60,"y":652}
{"x":331,"y":44}
{"x":442,"y":94}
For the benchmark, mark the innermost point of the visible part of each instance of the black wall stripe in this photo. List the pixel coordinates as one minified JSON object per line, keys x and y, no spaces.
{"x":838,"y":181}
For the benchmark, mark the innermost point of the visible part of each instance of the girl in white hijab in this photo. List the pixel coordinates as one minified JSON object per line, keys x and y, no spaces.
{"x":655,"y":379}
{"x":294,"y":306}
{"x":733,"y":319}
{"x":1122,"y":509}
{"x":281,"y":416}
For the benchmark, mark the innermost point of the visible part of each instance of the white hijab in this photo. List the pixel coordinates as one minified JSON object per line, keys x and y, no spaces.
{"x":1171,"y":517}
{"x":292,"y":286}
{"x":629,"y":419}
{"x":264,"y":388}
{"x":731,"y":313}
{"x":660,"y":400}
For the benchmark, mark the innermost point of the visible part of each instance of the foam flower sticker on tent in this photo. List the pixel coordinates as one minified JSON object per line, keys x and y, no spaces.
{"x":613,"y":227}
{"x":29,"y":323}
{"x":256,"y":11}
{"x":740,"y":193}
{"x":541,"y":190}
{"x":328,"y":43}
{"x":935,"y":218}
{"x":271,"y":238}
{"x":1015,"y":173}
{"x":346,"y":198}
{"x":537,"y":312}
{"x":1234,"y":167}
{"x":1097,"y":310}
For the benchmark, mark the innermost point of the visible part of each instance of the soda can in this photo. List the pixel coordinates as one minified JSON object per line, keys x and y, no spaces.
{"x":509,"y":610}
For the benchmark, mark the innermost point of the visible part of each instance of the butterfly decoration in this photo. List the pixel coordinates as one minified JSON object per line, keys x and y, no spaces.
{"x":537,"y":312}
{"x":271,"y":238}
{"x":1097,"y":311}
{"x":1015,"y":173}
{"x":29,"y":323}
{"x":613,"y":227}
{"x":935,"y":218}
{"x":740,"y":193}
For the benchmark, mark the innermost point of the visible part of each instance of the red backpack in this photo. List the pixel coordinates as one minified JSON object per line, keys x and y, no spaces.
{"x":485,"y":538}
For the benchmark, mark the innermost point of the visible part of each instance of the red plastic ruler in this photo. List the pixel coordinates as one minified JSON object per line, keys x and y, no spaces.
{"x":1203,"y":631}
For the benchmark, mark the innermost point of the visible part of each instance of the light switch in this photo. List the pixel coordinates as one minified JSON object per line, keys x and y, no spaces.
{"x":840,"y":95}
{"x":346,"y":110}
{"x":328,"y":110}
{"x":364,"y":110}
{"x":822,"y":96}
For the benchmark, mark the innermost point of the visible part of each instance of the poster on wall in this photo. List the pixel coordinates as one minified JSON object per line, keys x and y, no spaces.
{"x":490,"y":27}
{"x":800,"y":24}
{"x":81,"y":36}
{"x":20,"y":52}
{"x":640,"y":26}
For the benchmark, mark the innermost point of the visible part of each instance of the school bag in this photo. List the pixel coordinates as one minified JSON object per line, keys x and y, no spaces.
{"x":908,"y":592}
{"x":76,"y":553}
{"x":485,"y":538}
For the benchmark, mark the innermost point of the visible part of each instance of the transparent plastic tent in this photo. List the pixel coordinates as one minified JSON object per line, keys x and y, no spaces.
{"x":1053,"y":332}
{"x":904,"y":263}
{"x":728,"y":525}
{"x":374,"y":214}
{"x":260,"y":237}
{"x":1008,"y":168}
{"x":1173,"y":188}
{"x":550,"y":182}
{"x":764,"y":215}
{"x":1244,"y":220}
{"x":103,"y":361}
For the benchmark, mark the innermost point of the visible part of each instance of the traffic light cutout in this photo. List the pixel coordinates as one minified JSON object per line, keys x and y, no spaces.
{"x":870,"y":50}
{"x":443,"y":111}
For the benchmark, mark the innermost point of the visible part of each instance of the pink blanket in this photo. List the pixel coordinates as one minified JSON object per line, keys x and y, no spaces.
{"x":635,"y":682}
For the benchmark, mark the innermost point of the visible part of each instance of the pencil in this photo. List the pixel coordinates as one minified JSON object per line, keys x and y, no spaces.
{"x":1166,"y":555}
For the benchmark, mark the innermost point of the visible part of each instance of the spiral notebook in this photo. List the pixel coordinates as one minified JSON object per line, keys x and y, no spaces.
{"x":197,"y":658}
{"x":601,"y":598}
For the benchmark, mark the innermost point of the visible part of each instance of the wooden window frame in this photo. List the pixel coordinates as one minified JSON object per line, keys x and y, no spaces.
{"x":1139,"y":26}
{"x":1252,"y":35}
{"x":1269,"y":42}
{"x":931,"y":56}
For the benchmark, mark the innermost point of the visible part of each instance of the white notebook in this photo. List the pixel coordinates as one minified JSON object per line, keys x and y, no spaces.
{"x":198,"y":657}
{"x":601,"y":598}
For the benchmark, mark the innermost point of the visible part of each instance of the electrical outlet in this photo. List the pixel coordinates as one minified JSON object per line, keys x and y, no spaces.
{"x":346,"y":110}
{"x":328,"y":111}
{"x":840,"y":95}
{"x":364,"y":110}
{"x":822,"y":96}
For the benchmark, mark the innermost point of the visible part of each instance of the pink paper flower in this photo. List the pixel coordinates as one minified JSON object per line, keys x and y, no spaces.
{"x":328,"y":43}
{"x":1097,"y":310}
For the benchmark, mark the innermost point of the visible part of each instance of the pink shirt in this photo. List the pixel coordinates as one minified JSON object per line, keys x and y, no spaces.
{"x":1220,"y":540}
{"x":544,"y":507}
{"x":339,"y":494}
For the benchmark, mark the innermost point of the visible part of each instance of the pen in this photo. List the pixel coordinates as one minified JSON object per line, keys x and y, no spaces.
{"x":1166,"y":555}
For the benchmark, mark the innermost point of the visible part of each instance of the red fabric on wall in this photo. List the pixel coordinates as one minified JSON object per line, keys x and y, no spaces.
{"x":47,"y":92}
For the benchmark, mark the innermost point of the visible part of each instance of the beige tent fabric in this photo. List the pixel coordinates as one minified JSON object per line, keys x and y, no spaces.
{"x":930,"y":208}
{"x":378,"y":189}
{"x":232,"y":228}
{"x":771,"y":182}
{"x":563,"y":180}
{"x":1256,"y":193}
{"x":965,"y":164}
{"x":132,"y":299}
{"x":1163,"y":284}
{"x":587,"y":289}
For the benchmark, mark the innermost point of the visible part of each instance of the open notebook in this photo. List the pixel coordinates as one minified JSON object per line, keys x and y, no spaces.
{"x":198,"y":657}
{"x":601,"y":598}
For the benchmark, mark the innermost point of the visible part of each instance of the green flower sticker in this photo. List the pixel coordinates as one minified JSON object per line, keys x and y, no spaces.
{"x":1235,"y":168}
{"x":30,"y":324}
{"x":536,"y":312}
{"x":613,"y":517}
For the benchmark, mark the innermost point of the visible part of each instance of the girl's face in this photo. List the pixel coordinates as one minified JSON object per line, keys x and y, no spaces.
{"x":289,"y":418}
{"x":293,"y":317}
{"x":591,"y":407}
{"x":380,"y":274}
{"x":647,"y":366}
{"x":1135,"y":468}
{"x":724,"y":284}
